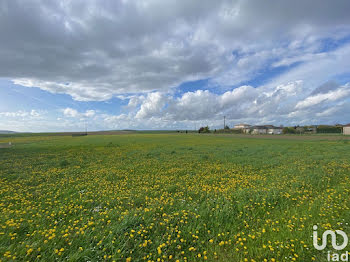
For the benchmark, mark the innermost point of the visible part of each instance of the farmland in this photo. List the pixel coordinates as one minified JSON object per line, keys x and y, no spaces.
{"x":170,"y":197}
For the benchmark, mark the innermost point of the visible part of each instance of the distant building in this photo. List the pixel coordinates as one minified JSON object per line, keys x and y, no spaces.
{"x":300,"y":129}
{"x":264,"y":129}
{"x":257,"y":130}
{"x":242,"y":126}
{"x":274,"y":130}
{"x":346,"y":129}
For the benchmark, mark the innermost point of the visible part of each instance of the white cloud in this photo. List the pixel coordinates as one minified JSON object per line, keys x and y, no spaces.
{"x":318,"y":70}
{"x":340,"y":93}
{"x":70,"y":112}
{"x":134,"y":101}
{"x":242,"y":102}
{"x":151,"y":106}
{"x":90,"y":113}
{"x":282,"y":104}
{"x":22,"y":114}
{"x":290,"y":104}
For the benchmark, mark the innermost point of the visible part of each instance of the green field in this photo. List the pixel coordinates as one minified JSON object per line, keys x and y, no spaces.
{"x":169,"y":197}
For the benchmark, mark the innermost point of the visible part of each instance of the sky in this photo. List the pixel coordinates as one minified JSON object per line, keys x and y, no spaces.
{"x":156,"y":64}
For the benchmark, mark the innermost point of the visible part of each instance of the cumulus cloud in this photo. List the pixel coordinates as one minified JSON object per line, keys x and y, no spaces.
{"x":70,"y":112}
{"x":135,"y":101}
{"x":281,"y":104}
{"x":151,"y":106}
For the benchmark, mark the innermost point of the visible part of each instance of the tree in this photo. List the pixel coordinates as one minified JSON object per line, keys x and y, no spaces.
{"x":288,"y":130}
{"x":227,"y":127}
{"x":329,"y":129}
{"x":204,"y":129}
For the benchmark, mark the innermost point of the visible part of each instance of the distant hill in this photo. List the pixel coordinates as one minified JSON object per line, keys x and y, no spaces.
{"x":7,"y":132}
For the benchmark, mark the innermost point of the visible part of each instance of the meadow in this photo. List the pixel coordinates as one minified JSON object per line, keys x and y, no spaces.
{"x":170,"y":197}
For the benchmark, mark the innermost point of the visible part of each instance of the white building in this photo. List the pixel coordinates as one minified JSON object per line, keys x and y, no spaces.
{"x":242,"y":126}
{"x":265,"y":129}
{"x":346,"y":129}
{"x":257,"y":130}
{"x":274,"y":130}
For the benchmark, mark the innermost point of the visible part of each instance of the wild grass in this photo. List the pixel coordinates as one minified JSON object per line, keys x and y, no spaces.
{"x":169,"y":197}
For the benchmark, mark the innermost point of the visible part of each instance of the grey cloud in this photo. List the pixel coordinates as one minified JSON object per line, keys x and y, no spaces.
{"x":325,"y":88}
{"x":94,"y":50}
